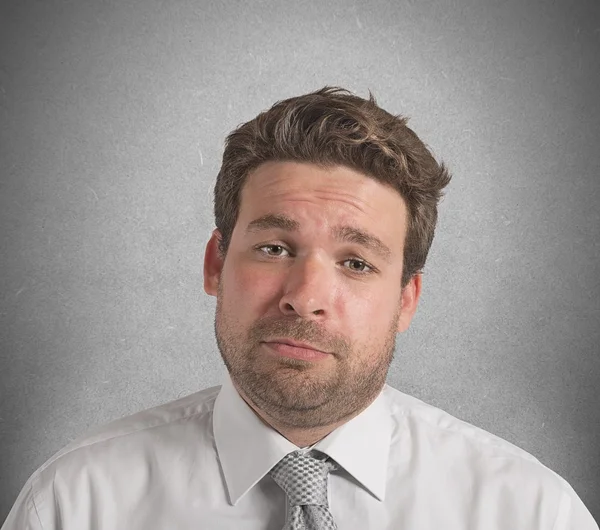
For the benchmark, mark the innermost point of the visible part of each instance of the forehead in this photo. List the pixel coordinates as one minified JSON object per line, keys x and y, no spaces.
{"x":295,"y":181}
{"x":317,"y":196}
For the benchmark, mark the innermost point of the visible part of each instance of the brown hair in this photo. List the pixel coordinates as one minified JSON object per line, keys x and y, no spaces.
{"x":332,"y":127}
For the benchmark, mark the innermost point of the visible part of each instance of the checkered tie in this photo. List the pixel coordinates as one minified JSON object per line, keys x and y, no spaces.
{"x":304,"y":480}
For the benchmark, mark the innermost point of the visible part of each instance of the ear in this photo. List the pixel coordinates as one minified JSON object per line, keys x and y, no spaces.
{"x":410,"y":299}
{"x":213,"y":264}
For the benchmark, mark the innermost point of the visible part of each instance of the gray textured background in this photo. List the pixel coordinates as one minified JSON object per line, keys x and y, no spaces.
{"x":113,"y":116}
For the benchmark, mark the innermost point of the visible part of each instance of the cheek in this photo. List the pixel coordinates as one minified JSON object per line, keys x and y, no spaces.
{"x":249,"y":288}
{"x":370,"y":313}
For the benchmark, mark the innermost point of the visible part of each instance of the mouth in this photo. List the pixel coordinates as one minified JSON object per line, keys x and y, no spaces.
{"x":295,"y":349}
{"x":296,"y":344}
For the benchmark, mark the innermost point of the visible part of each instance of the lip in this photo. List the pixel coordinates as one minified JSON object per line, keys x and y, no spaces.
{"x":296,"y":350}
{"x":296,"y":344}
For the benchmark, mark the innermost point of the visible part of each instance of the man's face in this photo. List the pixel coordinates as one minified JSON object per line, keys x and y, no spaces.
{"x":315,"y":257}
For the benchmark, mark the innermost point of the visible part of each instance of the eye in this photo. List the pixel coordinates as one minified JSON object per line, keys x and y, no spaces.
{"x":358,"y":265}
{"x":272,"y":250}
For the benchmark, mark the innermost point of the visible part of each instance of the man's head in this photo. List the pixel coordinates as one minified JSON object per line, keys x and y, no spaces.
{"x":325,"y":209}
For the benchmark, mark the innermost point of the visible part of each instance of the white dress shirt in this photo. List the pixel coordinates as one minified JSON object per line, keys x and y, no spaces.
{"x":202,"y":462}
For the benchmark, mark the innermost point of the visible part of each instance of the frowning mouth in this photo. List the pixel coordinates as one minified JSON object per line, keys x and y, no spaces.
{"x":296,"y":344}
{"x":295,"y":349}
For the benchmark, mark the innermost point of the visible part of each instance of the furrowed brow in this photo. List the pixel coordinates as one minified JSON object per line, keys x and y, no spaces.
{"x":350,"y":234}
{"x":270,"y":221}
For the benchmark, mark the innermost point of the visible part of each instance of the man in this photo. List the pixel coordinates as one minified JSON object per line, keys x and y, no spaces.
{"x":325,"y":210}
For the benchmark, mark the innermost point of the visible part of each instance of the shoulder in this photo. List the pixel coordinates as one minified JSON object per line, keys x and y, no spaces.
{"x":104,"y":465}
{"x":470,"y":455}
{"x":163,"y":416}
{"x":472,"y":467}
{"x":490,"y":477}
{"x":440,"y":427}
{"x":132,"y":443}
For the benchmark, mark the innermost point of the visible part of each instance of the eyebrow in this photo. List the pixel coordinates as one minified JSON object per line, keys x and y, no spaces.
{"x":270,"y":221}
{"x":347,"y":234}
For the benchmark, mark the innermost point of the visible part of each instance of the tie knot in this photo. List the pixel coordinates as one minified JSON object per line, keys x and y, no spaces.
{"x":303,"y":478}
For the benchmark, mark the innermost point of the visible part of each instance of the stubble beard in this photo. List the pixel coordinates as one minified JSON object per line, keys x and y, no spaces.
{"x":298,"y":393}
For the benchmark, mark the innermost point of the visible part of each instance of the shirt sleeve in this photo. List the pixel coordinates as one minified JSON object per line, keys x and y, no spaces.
{"x":572,"y":513}
{"x":24,"y":515}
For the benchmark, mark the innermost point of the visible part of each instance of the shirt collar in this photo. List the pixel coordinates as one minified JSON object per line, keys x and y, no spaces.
{"x":248,"y":448}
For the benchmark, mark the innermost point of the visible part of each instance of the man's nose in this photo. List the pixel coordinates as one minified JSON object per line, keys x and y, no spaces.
{"x":308,"y":289}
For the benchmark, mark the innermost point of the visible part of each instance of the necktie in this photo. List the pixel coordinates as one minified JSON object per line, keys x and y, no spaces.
{"x":304,"y":480}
